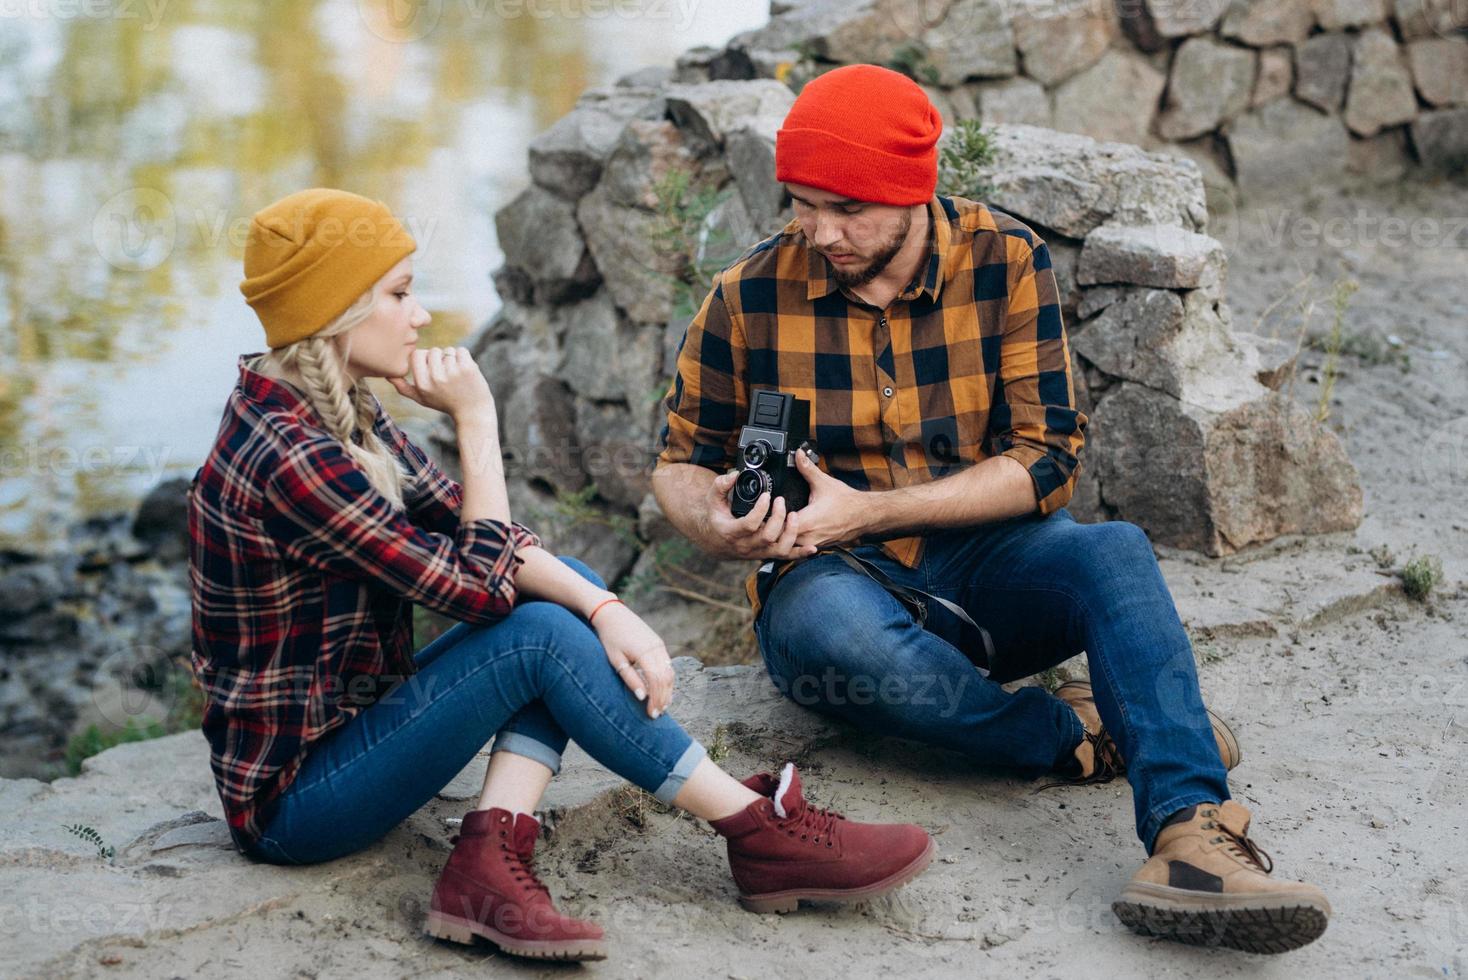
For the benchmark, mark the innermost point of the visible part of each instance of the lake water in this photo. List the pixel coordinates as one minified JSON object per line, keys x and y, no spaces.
{"x":138,"y":136}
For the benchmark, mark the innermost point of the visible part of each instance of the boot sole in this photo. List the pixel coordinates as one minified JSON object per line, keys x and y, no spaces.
{"x":789,"y":900}
{"x":440,"y":925}
{"x":1252,"y":924}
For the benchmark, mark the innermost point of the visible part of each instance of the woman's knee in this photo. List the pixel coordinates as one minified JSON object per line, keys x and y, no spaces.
{"x":584,"y":570}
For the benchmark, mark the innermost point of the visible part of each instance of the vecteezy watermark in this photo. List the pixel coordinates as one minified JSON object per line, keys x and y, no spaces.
{"x":1364,"y":228}
{"x":403,"y":21}
{"x":35,"y":459}
{"x":139,"y":228}
{"x":149,"y":11}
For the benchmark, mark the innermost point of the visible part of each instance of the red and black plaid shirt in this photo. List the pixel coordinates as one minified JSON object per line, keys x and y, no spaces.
{"x":303,"y":582}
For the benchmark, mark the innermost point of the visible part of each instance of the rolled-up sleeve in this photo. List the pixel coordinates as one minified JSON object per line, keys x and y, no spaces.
{"x":326,"y":514}
{"x":706,"y":399}
{"x":1035,"y":420}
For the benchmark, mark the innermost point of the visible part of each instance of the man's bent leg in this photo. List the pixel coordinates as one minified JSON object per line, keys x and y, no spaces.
{"x":837,"y":642}
{"x":1098,"y":587}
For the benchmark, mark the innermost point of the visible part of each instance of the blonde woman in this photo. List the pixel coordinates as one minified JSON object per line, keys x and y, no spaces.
{"x":316,"y":525}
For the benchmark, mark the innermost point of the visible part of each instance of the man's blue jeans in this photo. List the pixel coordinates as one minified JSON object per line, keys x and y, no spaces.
{"x":1046,"y":588}
{"x":535,"y":678}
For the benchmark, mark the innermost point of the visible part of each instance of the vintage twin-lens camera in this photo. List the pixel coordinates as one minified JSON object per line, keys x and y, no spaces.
{"x":778,"y":428}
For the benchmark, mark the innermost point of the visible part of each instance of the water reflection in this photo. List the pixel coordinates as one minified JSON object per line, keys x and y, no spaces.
{"x":137,"y":137}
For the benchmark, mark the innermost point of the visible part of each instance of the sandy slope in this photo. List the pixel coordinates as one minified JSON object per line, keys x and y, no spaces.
{"x":1351,"y":702}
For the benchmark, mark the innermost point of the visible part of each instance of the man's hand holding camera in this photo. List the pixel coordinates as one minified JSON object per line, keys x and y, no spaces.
{"x":765,"y":532}
{"x":771,"y":531}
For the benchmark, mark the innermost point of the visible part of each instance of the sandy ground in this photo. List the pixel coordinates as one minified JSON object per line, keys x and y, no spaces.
{"x":1351,"y":702}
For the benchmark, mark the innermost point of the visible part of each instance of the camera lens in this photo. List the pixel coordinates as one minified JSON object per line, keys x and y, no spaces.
{"x":750,"y":484}
{"x":756,"y":453}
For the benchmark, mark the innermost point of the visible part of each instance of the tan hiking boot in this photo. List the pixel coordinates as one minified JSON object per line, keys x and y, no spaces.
{"x":1208,"y":884}
{"x":1097,"y":754}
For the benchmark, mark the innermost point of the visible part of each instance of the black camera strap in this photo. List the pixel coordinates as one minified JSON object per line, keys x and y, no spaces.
{"x":914,"y":600}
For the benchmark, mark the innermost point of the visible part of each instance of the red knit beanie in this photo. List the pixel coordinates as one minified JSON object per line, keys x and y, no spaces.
{"x":864,"y":131}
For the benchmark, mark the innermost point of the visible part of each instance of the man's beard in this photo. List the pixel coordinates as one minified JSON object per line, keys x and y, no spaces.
{"x":874,"y":269}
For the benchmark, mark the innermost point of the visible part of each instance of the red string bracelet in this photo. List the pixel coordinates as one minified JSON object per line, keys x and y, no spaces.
{"x":604,"y":602}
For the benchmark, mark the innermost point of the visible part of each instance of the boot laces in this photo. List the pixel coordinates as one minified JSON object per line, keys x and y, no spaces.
{"x":1239,"y":844}
{"x":815,"y":824}
{"x":523,"y":871}
{"x":1108,"y":762}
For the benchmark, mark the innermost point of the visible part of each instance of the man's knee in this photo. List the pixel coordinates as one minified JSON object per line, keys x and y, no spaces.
{"x":582,"y":569}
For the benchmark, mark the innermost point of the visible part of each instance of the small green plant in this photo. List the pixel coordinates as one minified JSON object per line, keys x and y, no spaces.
{"x":718,"y":747}
{"x":962,"y":160}
{"x":912,"y":61}
{"x":1420,"y":576}
{"x":105,"y":851}
{"x":1050,"y":678}
{"x":96,"y":740}
{"x":1382,"y":555}
{"x":1334,"y":342}
{"x":696,"y":252}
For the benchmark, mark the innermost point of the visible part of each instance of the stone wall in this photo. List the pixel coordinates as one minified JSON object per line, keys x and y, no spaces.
{"x":1273,"y":94}
{"x":1189,"y":439}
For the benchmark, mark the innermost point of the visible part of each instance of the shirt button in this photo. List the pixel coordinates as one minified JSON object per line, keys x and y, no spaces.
{"x":887,"y":392}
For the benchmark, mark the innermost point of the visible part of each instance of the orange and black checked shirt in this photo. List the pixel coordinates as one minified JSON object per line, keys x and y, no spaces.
{"x":969,"y":361}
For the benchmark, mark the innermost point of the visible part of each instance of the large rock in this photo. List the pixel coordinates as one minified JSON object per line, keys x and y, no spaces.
{"x":1285,"y":146}
{"x":604,"y":358}
{"x":1441,"y":140}
{"x":1152,"y":255}
{"x":1276,"y":76}
{"x":1264,"y":22}
{"x":647,"y":152}
{"x":542,"y":242}
{"x":975,"y":38}
{"x":567,"y":158}
{"x":1013,"y":100}
{"x":1333,"y":15}
{"x":1210,"y":83}
{"x":1115,"y":99}
{"x":1430,"y":18}
{"x":1322,"y":69}
{"x":616,"y":450}
{"x":751,"y":160}
{"x":1073,"y":184}
{"x":1381,"y":91}
{"x":1440,"y":69}
{"x":1258,"y":470}
{"x":712,"y":110}
{"x":1155,"y":337}
{"x":952,"y":41}
{"x":1152,"y":23}
{"x":625,"y":242}
{"x":1058,"y":39}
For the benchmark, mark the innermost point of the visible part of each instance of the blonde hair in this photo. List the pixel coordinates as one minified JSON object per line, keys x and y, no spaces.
{"x":347,"y":408}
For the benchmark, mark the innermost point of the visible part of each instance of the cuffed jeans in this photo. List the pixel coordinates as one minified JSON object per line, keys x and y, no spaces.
{"x":537,"y":678}
{"x":1045,"y":588}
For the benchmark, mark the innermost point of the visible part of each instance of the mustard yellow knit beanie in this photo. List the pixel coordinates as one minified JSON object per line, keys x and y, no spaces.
{"x":311,"y":254}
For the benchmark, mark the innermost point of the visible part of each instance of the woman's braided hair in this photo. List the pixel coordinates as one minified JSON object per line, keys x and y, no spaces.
{"x":347,"y":409}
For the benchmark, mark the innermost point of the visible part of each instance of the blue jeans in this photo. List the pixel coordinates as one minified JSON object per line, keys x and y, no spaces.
{"x":535,"y":678}
{"x":1045,"y":588}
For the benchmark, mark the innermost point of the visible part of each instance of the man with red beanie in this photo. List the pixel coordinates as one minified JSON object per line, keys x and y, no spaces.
{"x":935,"y":559}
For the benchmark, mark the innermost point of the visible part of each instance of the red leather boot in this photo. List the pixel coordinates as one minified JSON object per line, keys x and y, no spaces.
{"x":488,"y":888}
{"x":782,"y":849}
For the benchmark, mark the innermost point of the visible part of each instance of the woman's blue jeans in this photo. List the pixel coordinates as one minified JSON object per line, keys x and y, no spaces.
{"x":1046,"y":588}
{"x":535,"y":678}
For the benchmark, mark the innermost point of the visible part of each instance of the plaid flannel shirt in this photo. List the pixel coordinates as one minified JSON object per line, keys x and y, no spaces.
{"x":303,"y":579}
{"x":970,"y":360}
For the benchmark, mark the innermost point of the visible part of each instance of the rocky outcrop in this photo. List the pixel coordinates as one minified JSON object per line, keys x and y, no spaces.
{"x":1152,"y":72}
{"x":95,"y":633}
{"x":1142,"y":284}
